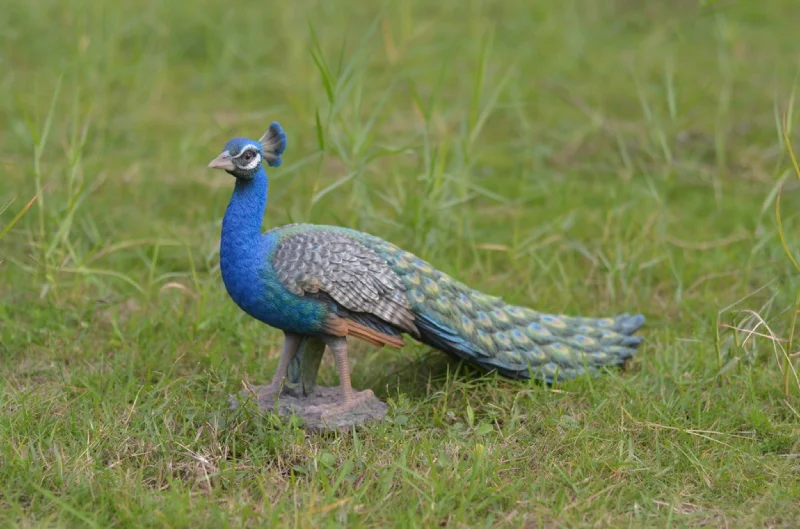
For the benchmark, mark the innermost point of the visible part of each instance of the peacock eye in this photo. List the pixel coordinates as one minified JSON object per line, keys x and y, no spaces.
{"x":248,"y":156}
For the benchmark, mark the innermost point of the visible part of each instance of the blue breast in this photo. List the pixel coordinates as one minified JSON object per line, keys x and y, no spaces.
{"x":251,"y":282}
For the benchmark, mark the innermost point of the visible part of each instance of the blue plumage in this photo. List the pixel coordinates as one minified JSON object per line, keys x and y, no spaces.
{"x":246,"y":253}
{"x":329,"y":282}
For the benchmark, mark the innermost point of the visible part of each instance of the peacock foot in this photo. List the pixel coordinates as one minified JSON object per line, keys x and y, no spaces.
{"x":329,"y":412}
{"x":269,"y":392}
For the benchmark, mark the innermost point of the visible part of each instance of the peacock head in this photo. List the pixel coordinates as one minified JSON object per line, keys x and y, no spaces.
{"x":242,"y":157}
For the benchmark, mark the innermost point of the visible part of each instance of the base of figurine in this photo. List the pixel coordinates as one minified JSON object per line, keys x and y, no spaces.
{"x":307,"y":408}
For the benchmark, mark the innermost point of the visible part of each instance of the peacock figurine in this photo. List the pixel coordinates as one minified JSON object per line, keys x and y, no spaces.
{"x":328,"y":282}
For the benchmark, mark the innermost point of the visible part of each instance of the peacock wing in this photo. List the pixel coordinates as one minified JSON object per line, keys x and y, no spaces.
{"x":354,"y":276}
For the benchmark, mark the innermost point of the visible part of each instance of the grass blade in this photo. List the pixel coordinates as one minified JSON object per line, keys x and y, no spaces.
{"x":18,"y":216}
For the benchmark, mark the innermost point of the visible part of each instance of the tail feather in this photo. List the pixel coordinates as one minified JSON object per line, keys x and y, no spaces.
{"x":546,"y":346}
{"x":518,"y":342}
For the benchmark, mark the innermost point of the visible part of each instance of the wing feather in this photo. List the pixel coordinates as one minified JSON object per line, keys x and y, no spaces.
{"x":353,"y":275}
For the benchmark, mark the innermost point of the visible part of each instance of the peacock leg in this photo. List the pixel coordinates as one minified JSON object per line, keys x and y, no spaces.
{"x":301,"y":378}
{"x":290,"y":345}
{"x":349,"y":399}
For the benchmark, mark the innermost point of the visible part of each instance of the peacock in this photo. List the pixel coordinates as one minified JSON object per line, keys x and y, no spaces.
{"x":330,"y":282}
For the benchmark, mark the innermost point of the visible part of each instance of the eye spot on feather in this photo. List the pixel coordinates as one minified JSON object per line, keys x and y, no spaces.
{"x":401,"y":264}
{"x":414,"y":279}
{"x":467,"y":325}
{"x":500,"y":315}
{"x":536,"y":355}
{"x":430,"y":286}
{"x":536,"y":329}
{"x":485,"y":340}
{"x":605,"y":322}
{"x":416,"y":297}
{"x":422,"y":266}
{"x":519,"y":337}
{"x":502,"y":339}
{"x":464,"y":302}
{"x":484,"y":320}
{"x":517,"y":313}
{"x":584,"y":340}
{"x":443,"y":304}
{"x":560,"y":353}
{"x":554,"y":321}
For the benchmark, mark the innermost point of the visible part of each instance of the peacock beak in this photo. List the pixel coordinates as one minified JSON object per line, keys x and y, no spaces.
{"x":223,"y":161}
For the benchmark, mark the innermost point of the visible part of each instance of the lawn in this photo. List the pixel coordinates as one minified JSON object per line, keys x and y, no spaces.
{"x":587,"y":157}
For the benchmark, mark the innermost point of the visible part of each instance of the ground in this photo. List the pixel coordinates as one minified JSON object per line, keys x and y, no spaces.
{"x":587,"y":157}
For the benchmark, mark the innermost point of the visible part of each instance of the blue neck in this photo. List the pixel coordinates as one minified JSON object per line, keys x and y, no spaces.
{"x":241,"y":250}
{"x":245,"y":213}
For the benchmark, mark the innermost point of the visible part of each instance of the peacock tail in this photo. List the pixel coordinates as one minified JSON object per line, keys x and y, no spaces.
{"x":518,"y":342}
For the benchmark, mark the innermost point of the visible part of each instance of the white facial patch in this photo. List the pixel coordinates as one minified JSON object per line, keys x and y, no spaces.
{"x":252,"y":164}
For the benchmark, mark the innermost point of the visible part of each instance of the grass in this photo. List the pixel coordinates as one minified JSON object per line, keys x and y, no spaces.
{"x":584,"y":157}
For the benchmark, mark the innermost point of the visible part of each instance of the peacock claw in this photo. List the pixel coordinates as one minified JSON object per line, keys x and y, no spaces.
{"x":333,"y":409}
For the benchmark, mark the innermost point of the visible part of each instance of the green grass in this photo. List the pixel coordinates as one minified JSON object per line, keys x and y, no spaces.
{"x":588,"y":157}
